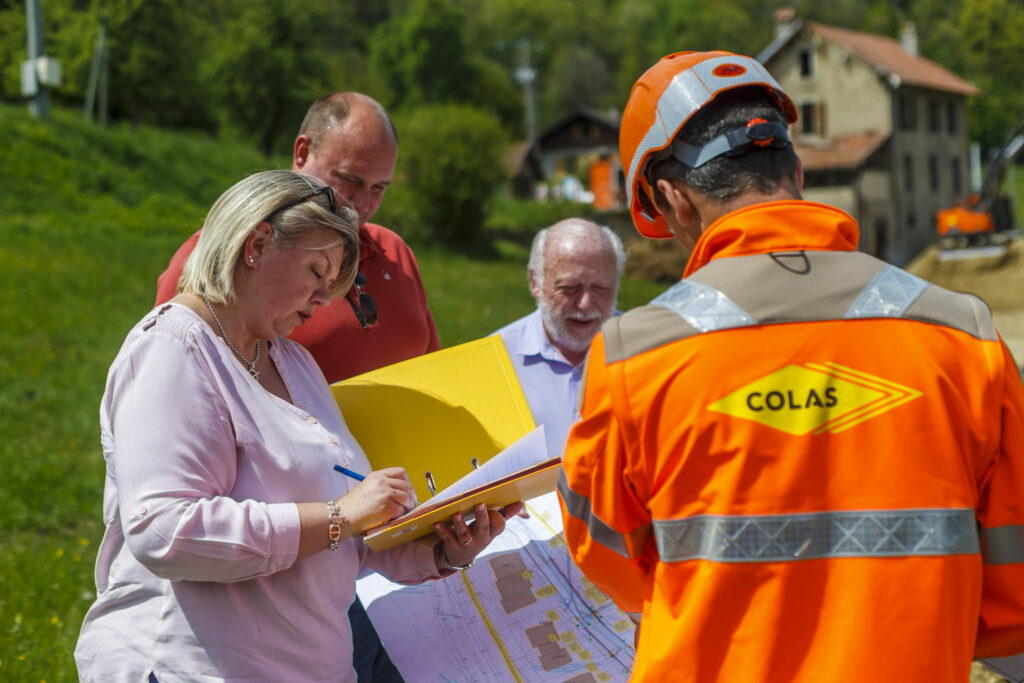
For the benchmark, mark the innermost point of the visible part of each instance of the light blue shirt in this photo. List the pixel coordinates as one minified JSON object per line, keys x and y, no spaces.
{"x":550,"y":382}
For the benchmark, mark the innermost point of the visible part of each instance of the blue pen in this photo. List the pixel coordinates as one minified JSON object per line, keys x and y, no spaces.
{"x":349,"y":473}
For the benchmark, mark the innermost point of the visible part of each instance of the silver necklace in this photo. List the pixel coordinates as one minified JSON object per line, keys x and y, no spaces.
{"x":251,"y":363}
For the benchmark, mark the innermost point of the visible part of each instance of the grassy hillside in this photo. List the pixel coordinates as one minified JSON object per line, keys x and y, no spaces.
{"x":88,"y":219}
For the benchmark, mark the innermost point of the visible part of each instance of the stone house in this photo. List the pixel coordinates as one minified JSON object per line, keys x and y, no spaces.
{"x":882,"y":131}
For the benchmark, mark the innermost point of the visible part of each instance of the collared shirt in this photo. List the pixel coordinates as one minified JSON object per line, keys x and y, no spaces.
{"x":342,"y":348}
{"x":549,"y":382}
{"x":196,"y":576}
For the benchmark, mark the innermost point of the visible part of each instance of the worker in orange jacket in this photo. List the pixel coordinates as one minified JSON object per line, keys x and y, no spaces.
{"x":799,"y":463}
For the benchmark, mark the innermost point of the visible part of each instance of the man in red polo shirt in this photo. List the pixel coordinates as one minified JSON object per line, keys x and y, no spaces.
{"x":348,"y":141}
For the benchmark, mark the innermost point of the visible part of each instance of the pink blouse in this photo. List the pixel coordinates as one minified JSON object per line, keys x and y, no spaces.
{"x":197,"y":576}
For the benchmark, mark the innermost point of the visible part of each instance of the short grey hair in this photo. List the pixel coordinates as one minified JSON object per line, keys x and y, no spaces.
{"x":210,"y":268}
{"x":540,"y":243}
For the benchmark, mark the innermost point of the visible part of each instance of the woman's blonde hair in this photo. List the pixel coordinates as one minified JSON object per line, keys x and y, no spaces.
{"x":259,"y":198}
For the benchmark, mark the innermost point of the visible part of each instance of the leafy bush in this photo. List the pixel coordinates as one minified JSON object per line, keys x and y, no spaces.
{"x":520,"y":219}
{"x":449,"y":165}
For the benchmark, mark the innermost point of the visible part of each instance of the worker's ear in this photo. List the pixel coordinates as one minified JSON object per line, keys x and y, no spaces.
{"x":301,"y":151}
{"x":676,"y":204}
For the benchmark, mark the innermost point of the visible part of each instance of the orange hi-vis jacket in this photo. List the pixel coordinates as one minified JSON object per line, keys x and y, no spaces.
{"x":802,"y":464}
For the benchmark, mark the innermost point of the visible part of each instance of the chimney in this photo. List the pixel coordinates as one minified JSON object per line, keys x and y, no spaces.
{"x":908,"y":38}
{"x":784,"y":17}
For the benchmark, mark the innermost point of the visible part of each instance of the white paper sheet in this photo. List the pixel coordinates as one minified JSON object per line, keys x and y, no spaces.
{"x":523,"y":453}
{"x":522,"y":612}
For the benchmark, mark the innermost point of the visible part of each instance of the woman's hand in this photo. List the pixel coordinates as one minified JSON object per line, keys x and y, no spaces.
{"x":382,"y":496}
{"x":463,"y":542}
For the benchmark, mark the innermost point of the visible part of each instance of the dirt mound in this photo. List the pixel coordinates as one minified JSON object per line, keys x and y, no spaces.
{"x":999,"y":280}
{"x":656,"y":260}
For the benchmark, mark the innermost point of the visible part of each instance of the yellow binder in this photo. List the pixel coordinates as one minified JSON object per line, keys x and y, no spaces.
{"x":522,"y":485}
{"x":438,"y":414}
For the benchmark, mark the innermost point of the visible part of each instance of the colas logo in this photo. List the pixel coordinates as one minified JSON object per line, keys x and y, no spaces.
{"x":818,"y":397}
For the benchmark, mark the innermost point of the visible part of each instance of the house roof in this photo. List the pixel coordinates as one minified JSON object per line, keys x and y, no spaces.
{"x":582,"y":113}
{"x":843,"y":152}
{"x":885,"y":54}
{"x":521,"y":157}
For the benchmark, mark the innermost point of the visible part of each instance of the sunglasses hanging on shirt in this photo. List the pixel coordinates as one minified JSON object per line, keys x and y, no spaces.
{"x":363,"y":306}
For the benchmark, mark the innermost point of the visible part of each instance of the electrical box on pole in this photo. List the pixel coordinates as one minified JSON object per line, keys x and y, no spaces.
{"x":39,"y":73}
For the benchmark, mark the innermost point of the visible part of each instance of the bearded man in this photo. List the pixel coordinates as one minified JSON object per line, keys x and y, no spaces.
{"x":574,"y":272}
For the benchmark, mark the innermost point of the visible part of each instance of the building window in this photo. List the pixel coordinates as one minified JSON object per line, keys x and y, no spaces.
{"x":812,"y":118}
{"x":951,"y":117}
{"x":907,"y":111}
{"x":934,"y":115}
{"x":933,"y":173}
{"x":957,"y":179}
{"x":807,"y":62}
{"x":908,"y":173}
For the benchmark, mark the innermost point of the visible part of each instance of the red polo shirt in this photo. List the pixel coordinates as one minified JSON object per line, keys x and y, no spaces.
{"x":342,"y":348}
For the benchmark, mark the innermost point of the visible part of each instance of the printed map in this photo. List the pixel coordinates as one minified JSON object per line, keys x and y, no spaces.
{"x":523,"y":612}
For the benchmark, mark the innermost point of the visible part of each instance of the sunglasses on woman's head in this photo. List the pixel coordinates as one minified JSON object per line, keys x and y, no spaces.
{"x":326,"y":189}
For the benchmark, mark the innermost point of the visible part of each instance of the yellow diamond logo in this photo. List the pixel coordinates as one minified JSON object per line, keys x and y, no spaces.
{"x":814,"y":397}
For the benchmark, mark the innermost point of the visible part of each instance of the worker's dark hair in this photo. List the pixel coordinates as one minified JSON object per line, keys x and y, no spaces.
{"x":724,"y":178}
{"x":332,"y":109}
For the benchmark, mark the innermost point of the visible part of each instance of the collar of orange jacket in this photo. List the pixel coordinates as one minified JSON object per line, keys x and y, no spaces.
{"x":790,"y":225}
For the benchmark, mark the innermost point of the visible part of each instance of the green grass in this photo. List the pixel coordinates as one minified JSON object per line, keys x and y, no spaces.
{"x":88,"y":220}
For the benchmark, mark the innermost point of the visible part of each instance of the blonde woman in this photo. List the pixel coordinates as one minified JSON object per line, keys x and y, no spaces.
{"x":231,"y":548}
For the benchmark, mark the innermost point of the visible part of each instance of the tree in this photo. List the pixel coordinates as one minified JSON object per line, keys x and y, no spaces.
{"x":651,"y":29}
{"x":265,"y":68}
{"x":578,"y":77}
{"x":450,"y":163}
{"x":153,"y":58}
{"x":990,"y":41}
{"x":421,"y":56}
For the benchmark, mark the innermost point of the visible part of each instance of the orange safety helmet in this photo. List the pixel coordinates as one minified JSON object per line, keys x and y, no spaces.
{"x":663,"y":100}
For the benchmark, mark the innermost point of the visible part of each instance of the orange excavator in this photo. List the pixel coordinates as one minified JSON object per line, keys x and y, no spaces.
{"x":973,"y":220}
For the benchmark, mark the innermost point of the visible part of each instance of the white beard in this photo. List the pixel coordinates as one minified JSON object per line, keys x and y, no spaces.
{"x":555,"y":326}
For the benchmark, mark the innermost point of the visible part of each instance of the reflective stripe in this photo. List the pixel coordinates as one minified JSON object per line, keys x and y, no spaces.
{"x":685,"y":94}
{"x":705,"y":308}
{"x":820,"y":535}
{"x":889,"y":294}
{"x":579,"y":507}
{"x":1003,"y":544}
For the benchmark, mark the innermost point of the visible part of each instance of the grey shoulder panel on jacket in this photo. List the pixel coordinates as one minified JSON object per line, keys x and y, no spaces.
{"x":827,"y":285}
{"x":640,"y":330}
{"x":958,"y":310}
{"x":798,"y":287}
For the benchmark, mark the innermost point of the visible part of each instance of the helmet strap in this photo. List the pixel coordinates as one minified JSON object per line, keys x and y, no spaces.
{"x":756,"y":134}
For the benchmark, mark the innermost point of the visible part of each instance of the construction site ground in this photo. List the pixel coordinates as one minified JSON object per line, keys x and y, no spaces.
{"x":997,"y":276}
